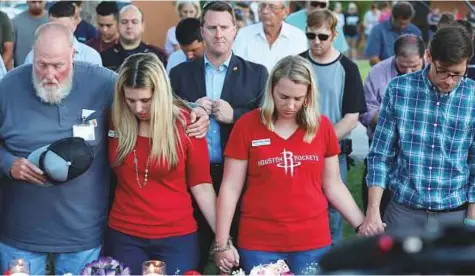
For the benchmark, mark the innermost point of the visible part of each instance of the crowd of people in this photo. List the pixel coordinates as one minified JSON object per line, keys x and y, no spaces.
{"x":233,"y":139}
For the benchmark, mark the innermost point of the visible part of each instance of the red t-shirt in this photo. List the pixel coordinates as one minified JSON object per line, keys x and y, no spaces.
{"x":283,"y":208}
{"x":162,"y":208}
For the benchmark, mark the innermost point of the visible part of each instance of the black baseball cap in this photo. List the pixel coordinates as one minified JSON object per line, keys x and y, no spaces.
{"x":63,"y":160}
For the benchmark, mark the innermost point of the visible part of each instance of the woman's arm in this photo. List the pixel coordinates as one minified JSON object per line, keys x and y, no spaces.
{"x":206,"y":199}
{"x":338,"y":194}
{"x":231,"y":187}
{"x":225,"y":254}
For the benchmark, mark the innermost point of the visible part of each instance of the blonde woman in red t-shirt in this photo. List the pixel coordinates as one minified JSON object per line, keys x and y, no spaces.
{"x":288,"y":155}
{"x":156,"y":164}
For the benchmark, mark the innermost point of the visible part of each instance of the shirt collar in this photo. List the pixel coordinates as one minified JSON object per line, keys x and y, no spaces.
{"x":225,"y":63}
{"x":76,"y":45}
{"x":432,"y":87}
{"x":285,"y":30}
{"x":390,"y":26}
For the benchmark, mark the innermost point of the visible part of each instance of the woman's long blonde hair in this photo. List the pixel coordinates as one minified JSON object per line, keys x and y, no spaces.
{"x":147,"y":71}
{"x":298,"y":70}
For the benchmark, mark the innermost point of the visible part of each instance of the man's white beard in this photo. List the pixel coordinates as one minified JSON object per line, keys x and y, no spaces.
{"x":53,"y":94}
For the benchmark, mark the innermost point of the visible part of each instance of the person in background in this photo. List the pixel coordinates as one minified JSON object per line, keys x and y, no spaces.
{"x":433,"y":19}
{"x":185,"y":9}
{"x":285,"y":154}
{"x":423,"y":148}
{"x":188,"y":35}
{"x":385,"y":12}
{"x":370,"y":19}
{"x":271,"y":39}
{"x":107,"y":17}
{"x":6,"y":40}
{"x":239,"y":19}
{"x":468,"y":27}
{"x":446,"y":19}
{"x":338,"y":10}
{"x":380,"y":44}
{"x":159,"y":168}
{"x":227,"y":86}
{"x":350,"y":29}
{"x":247,"y":14}
{"x":131,"y":29}
{"x":84,"y":31}
{"x":409,"y":57}
{"x":24,"y":27}
{"x":341,"y":99}
{"x":63,"y":12}
{"x":299,"y":20}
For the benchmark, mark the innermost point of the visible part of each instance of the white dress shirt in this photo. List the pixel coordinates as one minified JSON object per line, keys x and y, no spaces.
{"x":83,"y":53}
{"x":251,"y":44}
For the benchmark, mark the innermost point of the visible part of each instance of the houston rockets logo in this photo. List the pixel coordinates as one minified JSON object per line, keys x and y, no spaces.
{"x":288,"y":162}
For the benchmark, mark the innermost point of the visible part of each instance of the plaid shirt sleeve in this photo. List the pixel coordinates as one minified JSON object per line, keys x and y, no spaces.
{"x":383,"y":148}
{"x":471,"y":179}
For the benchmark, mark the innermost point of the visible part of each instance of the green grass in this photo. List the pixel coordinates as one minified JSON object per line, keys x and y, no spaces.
{"x":364,"y":67}
{"x":355,"y":177}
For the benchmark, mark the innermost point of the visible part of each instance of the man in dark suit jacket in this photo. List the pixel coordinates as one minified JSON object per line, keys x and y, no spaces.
{"x":226,"y":86}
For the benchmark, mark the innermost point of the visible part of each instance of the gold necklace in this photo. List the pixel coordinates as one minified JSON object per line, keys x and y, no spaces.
{"x":136,"y":165}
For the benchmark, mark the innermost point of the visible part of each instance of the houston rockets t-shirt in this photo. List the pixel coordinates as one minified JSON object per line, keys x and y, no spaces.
{"x":284,"y":207}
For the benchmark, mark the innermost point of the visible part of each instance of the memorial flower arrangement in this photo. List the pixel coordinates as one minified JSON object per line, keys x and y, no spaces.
{"x":277,"y":268}
{"x":105,"y":266}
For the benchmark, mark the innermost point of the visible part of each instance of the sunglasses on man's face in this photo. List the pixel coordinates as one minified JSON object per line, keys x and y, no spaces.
{"x":321,"y":37}
{"x":319,"y":5}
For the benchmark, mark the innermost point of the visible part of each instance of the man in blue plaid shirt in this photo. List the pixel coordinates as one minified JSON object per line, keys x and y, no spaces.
{"x":423,"y":148}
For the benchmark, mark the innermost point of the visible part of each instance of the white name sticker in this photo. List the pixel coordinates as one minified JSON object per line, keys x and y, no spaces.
{"x":111,"y":133}
{"x":261,"y":142}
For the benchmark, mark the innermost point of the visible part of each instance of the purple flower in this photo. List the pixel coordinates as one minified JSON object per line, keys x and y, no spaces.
{"x":106,"y":266}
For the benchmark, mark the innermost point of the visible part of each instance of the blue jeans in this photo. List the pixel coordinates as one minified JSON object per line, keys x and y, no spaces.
{"x":180,"y":253}
{"x":336,"y":220}
{"x":63,"y":262}
{"x":298,"y":261}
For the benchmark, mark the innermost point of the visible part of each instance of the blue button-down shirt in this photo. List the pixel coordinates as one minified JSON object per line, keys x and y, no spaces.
{"x":423,"y":148}
{"x":382,"y":38}
{"x":214,"y":79}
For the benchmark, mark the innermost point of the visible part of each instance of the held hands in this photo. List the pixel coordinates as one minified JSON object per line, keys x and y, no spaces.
{"x":220,"y":109}
{"x":226,"y":257}
{"x":23,"y":169}
{"x":372,"y":225}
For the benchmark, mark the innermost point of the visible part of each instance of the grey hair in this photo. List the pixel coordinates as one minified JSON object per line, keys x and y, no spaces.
{"x":131,"y":7}
{"x":53,"y":26}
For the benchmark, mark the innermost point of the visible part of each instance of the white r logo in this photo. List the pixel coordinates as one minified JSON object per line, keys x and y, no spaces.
{"x":288,"y":162}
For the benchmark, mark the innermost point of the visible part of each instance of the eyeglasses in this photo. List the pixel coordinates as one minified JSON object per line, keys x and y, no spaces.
{"x":263,"y":6}
{"x":321,"y":37}
{"x":320,"y":5}
{"x":445,"y":75}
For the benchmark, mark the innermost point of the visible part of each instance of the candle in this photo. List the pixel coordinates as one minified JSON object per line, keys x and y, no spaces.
{"x":153,"y":268}
{"x":19,"y":267}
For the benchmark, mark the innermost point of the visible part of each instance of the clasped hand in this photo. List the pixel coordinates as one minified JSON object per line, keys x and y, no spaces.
{"x":226,"y":260}
{"x":220,"y":109}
